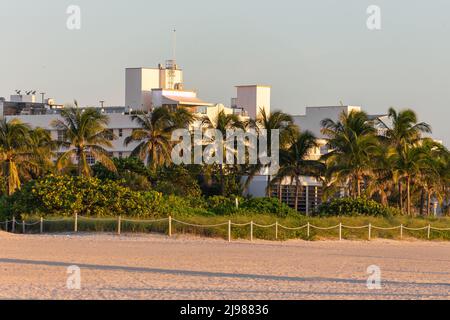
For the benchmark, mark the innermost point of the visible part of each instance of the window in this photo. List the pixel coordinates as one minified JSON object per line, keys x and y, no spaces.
{"x":61,"y":135}
{"x":324,"y":149}
{"x":120,"y":155}
{"x":90,"y":159}
{"x":120,"y":132}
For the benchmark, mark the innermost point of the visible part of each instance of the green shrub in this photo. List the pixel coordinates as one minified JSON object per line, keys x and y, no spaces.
{"x":22,"y":201}
{"x":267,"y":206}
{"x":65,"y":195}
{"x":354,"y":207}
{"x":178,"y":181}
{"x":182,"y":206}
{"x":131,"y":172}
{"x":222,"y":205}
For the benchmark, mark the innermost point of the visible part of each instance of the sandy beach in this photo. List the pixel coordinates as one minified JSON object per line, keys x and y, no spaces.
{"x":184,"y":267}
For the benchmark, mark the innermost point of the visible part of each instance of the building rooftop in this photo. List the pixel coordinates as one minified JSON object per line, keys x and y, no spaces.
{"x":189,"y":101}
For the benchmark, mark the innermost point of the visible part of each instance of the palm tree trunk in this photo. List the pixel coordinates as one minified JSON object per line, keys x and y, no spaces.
{"x":13,"y":178}
{"x":268,"y":190}
{"x":384,"y":199}
{"x":358,"y":187}
{"x":297,"y":187}
{"x":222,"y":182}
{"x":422,"y":202}
{"x":428,"y":203}
{"x":400,"y":195}
{"x":408,"y":194}
{"x":83,"y":166}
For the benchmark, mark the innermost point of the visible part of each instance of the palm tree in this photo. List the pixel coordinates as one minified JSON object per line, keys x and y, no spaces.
{"x":410,"y":164}
{"x":403,"y":133}
{"x":432,"y":177}
{"x":42,"y":149}
{"x":85,"y":134}
{"x":445,"y":177}
{"x":275,"y":121}
{"x":385,"y":176}
{"x":223,"y":122}
{"x":154,"y":134}
{"x":295,"y":161}
{"x":405,"y":130}
{"x":353,"y":142}
{"x":15,"y":156}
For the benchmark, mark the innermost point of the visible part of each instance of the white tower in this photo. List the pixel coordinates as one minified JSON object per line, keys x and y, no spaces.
{"x":253,"y":99}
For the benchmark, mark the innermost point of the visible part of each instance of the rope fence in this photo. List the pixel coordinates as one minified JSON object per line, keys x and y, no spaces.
{"x":13,"y":225}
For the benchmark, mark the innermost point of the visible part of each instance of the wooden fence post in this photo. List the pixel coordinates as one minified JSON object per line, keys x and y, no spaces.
{"x":308,"y":230}
{"x":429,"y":231}
{"x":41,"y":228}
{"x":229,"y":230}
{"x":276,"y":230}
{"x":251,"y":231}
{"x":14,"y":224}
{"x":370,"y":231}
{"x":401,"y":231}
{"x":170,"y":226}
{"x":23,"y":226}
{"x":340,"y":231}
{"x":75,"y":227}
{"x":119,"y":227}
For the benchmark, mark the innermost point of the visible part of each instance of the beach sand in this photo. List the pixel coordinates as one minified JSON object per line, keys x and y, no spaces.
{"x":186,"y":267}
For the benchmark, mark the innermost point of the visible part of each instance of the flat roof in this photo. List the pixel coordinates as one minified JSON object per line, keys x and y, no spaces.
{"x":253,"y":85}
{"x":164,"y":68}
{"x":161,"y":89}
{"x":192,"y":101}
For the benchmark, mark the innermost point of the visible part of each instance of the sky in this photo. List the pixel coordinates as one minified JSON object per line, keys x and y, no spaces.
{"x":312,"y":53}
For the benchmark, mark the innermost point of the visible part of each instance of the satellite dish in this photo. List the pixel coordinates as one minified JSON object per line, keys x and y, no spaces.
{"x":18,"y":91}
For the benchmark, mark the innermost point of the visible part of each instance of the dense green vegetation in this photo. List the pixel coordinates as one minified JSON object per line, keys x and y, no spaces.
{"x":355,"y":207}
{"x":63,"y":195}
{"x":399,"y":172}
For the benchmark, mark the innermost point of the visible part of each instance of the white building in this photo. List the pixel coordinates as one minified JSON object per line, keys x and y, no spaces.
{"x":145,"y":89}
{"x":120,"y":124}
{"x":139,"y":83}
{"x":253,"y":99}
{"x":311,"y":189}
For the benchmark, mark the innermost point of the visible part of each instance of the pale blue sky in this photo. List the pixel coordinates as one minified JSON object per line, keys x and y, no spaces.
{"x":316,"y":52}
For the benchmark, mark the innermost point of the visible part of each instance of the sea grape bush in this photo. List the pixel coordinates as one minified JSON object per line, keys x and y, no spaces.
{"x":355,"y":207}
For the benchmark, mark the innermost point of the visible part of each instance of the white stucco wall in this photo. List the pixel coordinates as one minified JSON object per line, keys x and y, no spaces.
{"x":252,"y":98}
{"x":116,"y":122}
{"x":314,"y":115}
{"x":139,"y":83}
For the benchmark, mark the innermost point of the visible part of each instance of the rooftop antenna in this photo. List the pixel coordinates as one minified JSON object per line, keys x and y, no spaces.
{"x":171,"y":64}
{"x":174,"y":52}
